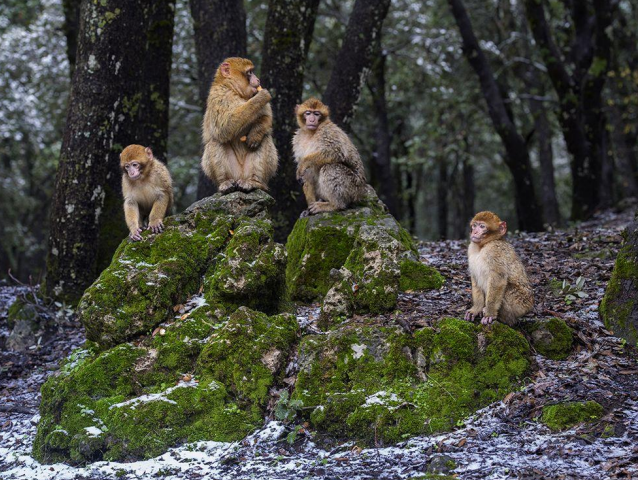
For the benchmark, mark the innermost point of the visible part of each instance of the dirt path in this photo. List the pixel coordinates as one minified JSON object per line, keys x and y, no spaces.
{"x":501,"y":441}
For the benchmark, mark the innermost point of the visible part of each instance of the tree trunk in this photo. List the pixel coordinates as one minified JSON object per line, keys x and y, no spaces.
{"x":580,"y":93}
{"x":546,"y":161}
{"x":442,"y":188}
{"x":354,"y":59}
{"x":71,"y":28}
{"x":530,"y":216}
{"x":220,"y":32}
{"x":119,"y":96}
{"x":287,"y":37}
{"x":381,"y":165}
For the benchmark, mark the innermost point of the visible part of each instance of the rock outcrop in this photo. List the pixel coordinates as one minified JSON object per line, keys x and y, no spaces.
{"x":357,"y":260}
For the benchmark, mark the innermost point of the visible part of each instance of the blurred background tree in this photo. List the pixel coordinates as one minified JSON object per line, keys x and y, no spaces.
{"x":421,"y":120}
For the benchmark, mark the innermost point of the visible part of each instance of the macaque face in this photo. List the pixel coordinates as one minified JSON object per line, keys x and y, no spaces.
{"x":133,"y":170}
{"x":312,"y":119}
{"x":253,"y":81}
{"x":479,"y":231}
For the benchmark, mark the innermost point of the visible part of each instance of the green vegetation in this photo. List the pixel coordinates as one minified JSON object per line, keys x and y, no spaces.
{"x":565,"y":415}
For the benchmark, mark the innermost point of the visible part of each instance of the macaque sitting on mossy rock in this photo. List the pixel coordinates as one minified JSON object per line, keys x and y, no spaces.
{"x":356,"y":260}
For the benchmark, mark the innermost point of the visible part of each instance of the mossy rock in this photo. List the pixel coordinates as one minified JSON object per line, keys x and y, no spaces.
{"x":373,"y":382}
{"x":551,"y":338}
{"x":251,"y":272}
{"x":147,"y":278}
{"x":133,"y":402}
{"x":619,"y":307}
{"x":359,"y":259}
{"x":565,"y":415}
{"x":249,"y":355}
{"x":29,"y":324}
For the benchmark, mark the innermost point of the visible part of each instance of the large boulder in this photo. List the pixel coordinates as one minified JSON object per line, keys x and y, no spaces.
{"x":619,"y":308}
{"x":197,"y":380}
{"x":381,"y":384}
{"x":187,"y":335}
{"x":356,"y":260}
{"x":223,"y":243}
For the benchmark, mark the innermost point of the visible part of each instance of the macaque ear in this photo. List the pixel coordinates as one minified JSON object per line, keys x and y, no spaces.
{"x":149,"y":152}
{"x":225,"y":69}
{"x":502,"y":228}
{"x":296,"y":109}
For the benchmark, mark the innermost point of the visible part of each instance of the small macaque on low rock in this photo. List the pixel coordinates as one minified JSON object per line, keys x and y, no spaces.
{"x":328,"y":164}
{"x":147,"y":188}
{"x":500,"y":287}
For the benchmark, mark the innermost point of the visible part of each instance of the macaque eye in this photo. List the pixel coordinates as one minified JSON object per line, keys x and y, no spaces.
{"x":317,"y":114}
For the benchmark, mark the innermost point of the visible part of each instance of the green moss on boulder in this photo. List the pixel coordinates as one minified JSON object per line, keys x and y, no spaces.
{"x":249,"y":354}
{"x":250,"y":272}
{"x":551,"y":338}
{"x":197,"y":380}
{"x":373,"y":382}
{"x":147,"y":278}
{"x":357,"y":260}
{"x":619,"y":307}
{"x":565,"y":415}
{"x":198,"y":375}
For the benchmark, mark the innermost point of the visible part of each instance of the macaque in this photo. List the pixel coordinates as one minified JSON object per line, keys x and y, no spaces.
{"x":239,"y":153}
{"x":500,"y":287}
{"x":328,"y":164}
{"x":147,"y":188}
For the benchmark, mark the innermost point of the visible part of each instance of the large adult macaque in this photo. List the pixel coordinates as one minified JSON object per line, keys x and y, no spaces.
{"x":500,"y":287}
{"x":147,"y":188}
{"x":329,"y":165}
{"x":239,"y":153}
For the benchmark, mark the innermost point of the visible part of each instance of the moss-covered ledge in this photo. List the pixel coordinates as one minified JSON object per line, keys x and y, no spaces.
{"x":222,"y":243}
{"x":371,"y":382}
{"x":356,"y":260}
{"x":199,"y":379}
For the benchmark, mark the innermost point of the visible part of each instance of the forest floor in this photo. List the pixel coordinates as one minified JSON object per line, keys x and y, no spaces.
{"x":502,"y":441}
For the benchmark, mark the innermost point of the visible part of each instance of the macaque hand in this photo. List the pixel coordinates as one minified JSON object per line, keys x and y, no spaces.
{"x":301,"y":170}
{"x":264,"y":93}
{"x":469,"y":315}
{"x":156,"y":227}
{"x":488,"y":317}
{"x":487,"y":320}
{"x":135,"y":235}
{"x":253,"y":140}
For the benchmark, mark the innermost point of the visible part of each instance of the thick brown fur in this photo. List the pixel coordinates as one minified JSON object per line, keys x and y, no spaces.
{"x":500,"y":287}
{"x":147,"y":188}
{"x":329,"y":165}
{"x":239,"y":153}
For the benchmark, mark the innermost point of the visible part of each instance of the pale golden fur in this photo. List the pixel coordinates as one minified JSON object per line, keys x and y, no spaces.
{"x":239,"y":152}
{"x":329,"y":164}
{"x":500,"y":287}
{"x":150,"y":196}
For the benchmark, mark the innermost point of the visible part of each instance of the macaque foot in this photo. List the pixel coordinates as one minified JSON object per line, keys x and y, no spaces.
{"x":305,"y":213}
{"x":136,"y":235}
{"x":247,"y":186}
{"x":227,"y":187}
{"x":156,"y":227}
{"x":318,"y":207}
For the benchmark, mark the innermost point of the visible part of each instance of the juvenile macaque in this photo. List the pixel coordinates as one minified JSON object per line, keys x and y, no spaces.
{"x":500,"y":288}
{"x":147,"y":188}
{"x":239,"y":153}
{"x":328,"y":164}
